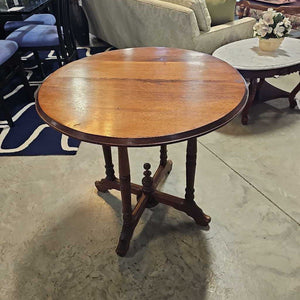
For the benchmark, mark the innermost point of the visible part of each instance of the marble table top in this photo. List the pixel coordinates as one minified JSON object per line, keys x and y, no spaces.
{"x":246,"y":55}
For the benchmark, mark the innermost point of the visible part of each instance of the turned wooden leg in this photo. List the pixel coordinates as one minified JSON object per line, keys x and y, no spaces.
{"x":292,"y":96}
{"x":191,"y":158}
{"x":252,"y":92}
{"x":127,"y":229}
{"x":163,"y":155}
{"x":148,"y":188}
{"x":190,"y":207}
{"x":109,"y":167}
{"x":104,"y":184}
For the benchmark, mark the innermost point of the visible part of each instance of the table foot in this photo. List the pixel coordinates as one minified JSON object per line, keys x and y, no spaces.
{"x":194,"y":211}
{"x":292,"y":96}
{"x":189,"y":207}
{"x":293,"y":103}
{"x":102,"y":185}
{"x":124,"y":240}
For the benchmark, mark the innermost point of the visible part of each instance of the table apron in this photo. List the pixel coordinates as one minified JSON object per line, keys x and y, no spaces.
{"x":249,"y":74}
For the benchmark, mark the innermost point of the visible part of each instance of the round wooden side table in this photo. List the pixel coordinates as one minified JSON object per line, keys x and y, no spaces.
{"x":143,"y":97}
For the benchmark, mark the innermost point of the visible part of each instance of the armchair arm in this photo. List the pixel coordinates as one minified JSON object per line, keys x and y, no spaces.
{"x":223,"y":34}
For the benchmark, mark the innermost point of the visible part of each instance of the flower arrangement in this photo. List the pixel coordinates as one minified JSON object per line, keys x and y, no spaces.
{"x":272,"y":25}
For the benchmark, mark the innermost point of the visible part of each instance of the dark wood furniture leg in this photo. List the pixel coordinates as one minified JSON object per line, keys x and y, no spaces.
{"x":261,"y":91}
{"x":190,"y":207}
{"x":187,"y":204}
{"x":292,"y":96}
{"x":103,"y":185}
{"x":147,"y":195}
{"x":164,"y":168}
{"x":128,"y":226}
{"x":252,"y":92}
{"x":109,"y":167}
{"x":110,"y":181}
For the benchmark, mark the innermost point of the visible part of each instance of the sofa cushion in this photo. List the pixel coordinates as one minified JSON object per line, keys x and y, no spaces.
{"x":221,"y":11}
{"x":200,"y":10}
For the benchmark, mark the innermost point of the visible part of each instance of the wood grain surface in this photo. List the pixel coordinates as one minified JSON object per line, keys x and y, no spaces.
{"x":141,"y":96}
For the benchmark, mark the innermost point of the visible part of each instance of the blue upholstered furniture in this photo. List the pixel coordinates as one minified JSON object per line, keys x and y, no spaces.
{"x":8,"y":49}
{"x":10,"y":65}
{"x":57,"y":37}
{"x":43,"y":19}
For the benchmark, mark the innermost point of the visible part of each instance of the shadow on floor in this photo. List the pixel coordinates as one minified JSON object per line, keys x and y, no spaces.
{"x":75,"y":259}
{"x":270,"y":116}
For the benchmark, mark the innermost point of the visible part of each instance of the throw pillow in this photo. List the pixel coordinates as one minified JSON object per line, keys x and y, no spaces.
{"x":221,"y":11}
{"x":200,"y":10}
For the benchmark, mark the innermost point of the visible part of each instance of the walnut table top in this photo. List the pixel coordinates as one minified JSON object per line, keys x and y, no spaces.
{"x":141,"y":96}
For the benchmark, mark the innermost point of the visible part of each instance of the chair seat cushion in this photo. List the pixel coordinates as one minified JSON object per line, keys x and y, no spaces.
{"x":7,"y":50}
{"x":42,"y":19}
{"x":35,"y":36}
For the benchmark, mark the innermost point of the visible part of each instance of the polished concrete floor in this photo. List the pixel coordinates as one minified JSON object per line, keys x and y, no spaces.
{"x":58,"y":235}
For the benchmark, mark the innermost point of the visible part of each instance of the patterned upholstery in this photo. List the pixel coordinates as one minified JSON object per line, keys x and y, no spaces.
{"x":141,"y":23}
{"x":200,"y":10}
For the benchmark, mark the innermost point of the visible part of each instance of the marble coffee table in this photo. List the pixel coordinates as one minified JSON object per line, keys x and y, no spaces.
{"x":255,"y":65}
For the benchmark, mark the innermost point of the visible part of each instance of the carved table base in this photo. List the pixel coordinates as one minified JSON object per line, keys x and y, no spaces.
{"x":261,"y":91}
{"x":147,"y":195}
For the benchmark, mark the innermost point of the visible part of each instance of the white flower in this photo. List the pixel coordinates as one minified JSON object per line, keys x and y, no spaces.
{"x":279,"y":29}
{"x":268,"y":17}
{"x":262,"y":29}
{"x":286,"y":22}
{"x":272,"y":24}
{"x":256,"y":26}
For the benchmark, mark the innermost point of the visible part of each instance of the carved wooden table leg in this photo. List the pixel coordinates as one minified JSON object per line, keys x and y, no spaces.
{"x":163,"y":155}
{"x":109,"y":167}
{"x":292,"y":96}
{"x":128,"y":227}
{"x":147,"y":193}
{"x":163,"y":170}
{"x":104,"y":185}
{"x":252,"y":93}
{"x":190,"y":207}
{"x":148,"y":184}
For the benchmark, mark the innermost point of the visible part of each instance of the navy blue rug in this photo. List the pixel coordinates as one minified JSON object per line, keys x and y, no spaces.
{"x":30,"y":135}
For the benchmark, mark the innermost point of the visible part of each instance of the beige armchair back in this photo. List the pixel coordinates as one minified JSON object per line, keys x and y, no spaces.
{"x":161,"y":23}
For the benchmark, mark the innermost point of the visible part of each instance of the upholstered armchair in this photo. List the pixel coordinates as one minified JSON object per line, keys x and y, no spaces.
{"x":183,"y":24}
